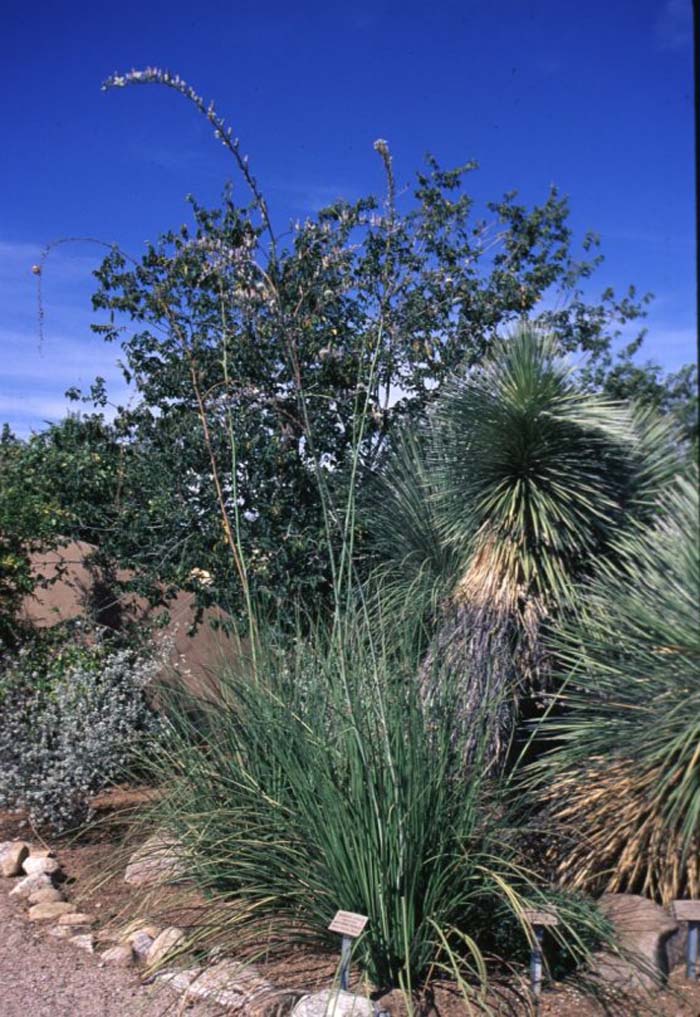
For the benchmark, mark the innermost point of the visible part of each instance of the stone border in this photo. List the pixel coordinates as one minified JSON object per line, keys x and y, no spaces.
{"x":37,"y":881}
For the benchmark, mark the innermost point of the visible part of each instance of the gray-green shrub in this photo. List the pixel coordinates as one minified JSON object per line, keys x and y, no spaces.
{"x":65,"y":734}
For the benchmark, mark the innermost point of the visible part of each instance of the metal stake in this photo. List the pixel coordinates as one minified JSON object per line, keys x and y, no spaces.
{"x":689,"y":911}
{"x":691,"y":969}
{"x":345,"y":951}
{"x":538,"y":920}
{"x":536,"y":961}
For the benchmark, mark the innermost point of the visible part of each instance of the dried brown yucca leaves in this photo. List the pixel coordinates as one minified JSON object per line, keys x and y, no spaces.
{"x":613,"y":836}
{"x":621,"y":779}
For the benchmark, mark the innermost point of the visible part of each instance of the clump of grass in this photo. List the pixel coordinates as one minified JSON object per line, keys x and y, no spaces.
{"x":321,"y":781}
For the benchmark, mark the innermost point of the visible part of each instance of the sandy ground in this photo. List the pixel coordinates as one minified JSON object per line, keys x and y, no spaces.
{"x":40,"y":977}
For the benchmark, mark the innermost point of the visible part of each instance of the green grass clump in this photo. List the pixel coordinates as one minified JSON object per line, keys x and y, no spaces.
{"x":319,"y":780}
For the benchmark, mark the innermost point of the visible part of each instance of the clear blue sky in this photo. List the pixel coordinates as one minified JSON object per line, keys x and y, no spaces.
{"x":596,"y":97}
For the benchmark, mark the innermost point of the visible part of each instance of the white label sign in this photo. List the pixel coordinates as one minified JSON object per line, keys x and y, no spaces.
{"x":347,"y":923}
{"x":541,"y":917}
{"x":687,"y":910}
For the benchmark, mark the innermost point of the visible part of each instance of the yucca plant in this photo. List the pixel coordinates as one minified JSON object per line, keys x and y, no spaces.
{"x":502,"y":504}
{"x":621,"y":776}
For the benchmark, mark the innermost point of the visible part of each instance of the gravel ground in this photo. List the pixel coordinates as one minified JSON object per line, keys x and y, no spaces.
{"x":40,"y":977}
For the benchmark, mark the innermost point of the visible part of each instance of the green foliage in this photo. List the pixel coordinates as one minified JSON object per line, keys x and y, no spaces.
{"x":675,"y":394}
{"x":29,"y":517}
{"x":46,"y":656}
{"x":318,"y":782}
{"x":253,"y":354}
{"x":536,"y":475}
{"x":252,"y":357}
{"x":71,"y":481}
{"x":488,"y":520}
{"x":620,"y":773}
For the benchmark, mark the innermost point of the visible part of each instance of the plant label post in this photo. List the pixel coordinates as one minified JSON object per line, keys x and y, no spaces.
{"x":349,"y":925}
{"x":539,"y":920}
{"x":689,"y":911}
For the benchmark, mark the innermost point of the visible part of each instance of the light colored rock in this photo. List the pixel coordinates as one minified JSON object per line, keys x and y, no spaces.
{"x":333,"y":1003}
{"x":30,"y":884}
{"x":84,"y":942}
{"x":157,"y":861}
{"x":140,"y":937}
{"x":45,"y":895}
{"x":36,"y":864}
{"x":642,"y":929}
{"x":52,"y":909}
{"x":164,"y":944}
{"x":76,"y":918}
{"x":179,"y":981}
{"x":119,"y":956}
{"x":137,"y":928}
{"x":228,"y":983}
{"x":12,"y":854}
{"x":141,"y":944}
{"x":61,"y":932}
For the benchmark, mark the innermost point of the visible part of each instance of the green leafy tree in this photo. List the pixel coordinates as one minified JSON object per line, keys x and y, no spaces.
{"x":34,"y":476}
{"x":23,"y":521}
{"x":76,"y":480}
{"x":674,"y":394}
{"x":262,"y":364}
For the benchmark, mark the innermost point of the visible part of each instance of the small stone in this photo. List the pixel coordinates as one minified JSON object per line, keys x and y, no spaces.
{"x":119,"y":956}
{"x":76,"y":918}
{"x":46,"y":895}
{"x":30,"y":884}
{"x":642,"y":929}
{"x":229,"y":984}
{"x":136,"y":929}
{"x":141,"y":943}
{"x":84,"y":942}
{"x":12,"y":854}
{"x":40,"y":863}
{"x":61,"y":931}
{"x":158,"y":860}
{"x":180,"y":981}
{"x":52,"y":909}
{"x":333,"y":1003}
{"x":164,"y":944}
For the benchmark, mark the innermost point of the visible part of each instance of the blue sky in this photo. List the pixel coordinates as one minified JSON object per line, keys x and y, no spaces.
{"x":596,"y":98}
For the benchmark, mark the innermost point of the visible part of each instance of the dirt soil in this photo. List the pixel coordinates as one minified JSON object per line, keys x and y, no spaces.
{"x":41,"y":977}
{"x":44,"y":977}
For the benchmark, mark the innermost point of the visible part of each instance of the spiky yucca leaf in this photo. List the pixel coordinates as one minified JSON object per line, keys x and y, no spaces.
{"x":418,"y":565}
{"x":536,"y":475}
{"x":622,"y":777}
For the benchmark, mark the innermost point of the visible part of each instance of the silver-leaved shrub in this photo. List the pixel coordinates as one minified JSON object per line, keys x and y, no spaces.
{"x":66,"y":738}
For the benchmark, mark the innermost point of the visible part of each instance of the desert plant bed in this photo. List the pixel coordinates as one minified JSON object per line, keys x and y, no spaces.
{"x":96,"y":885}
